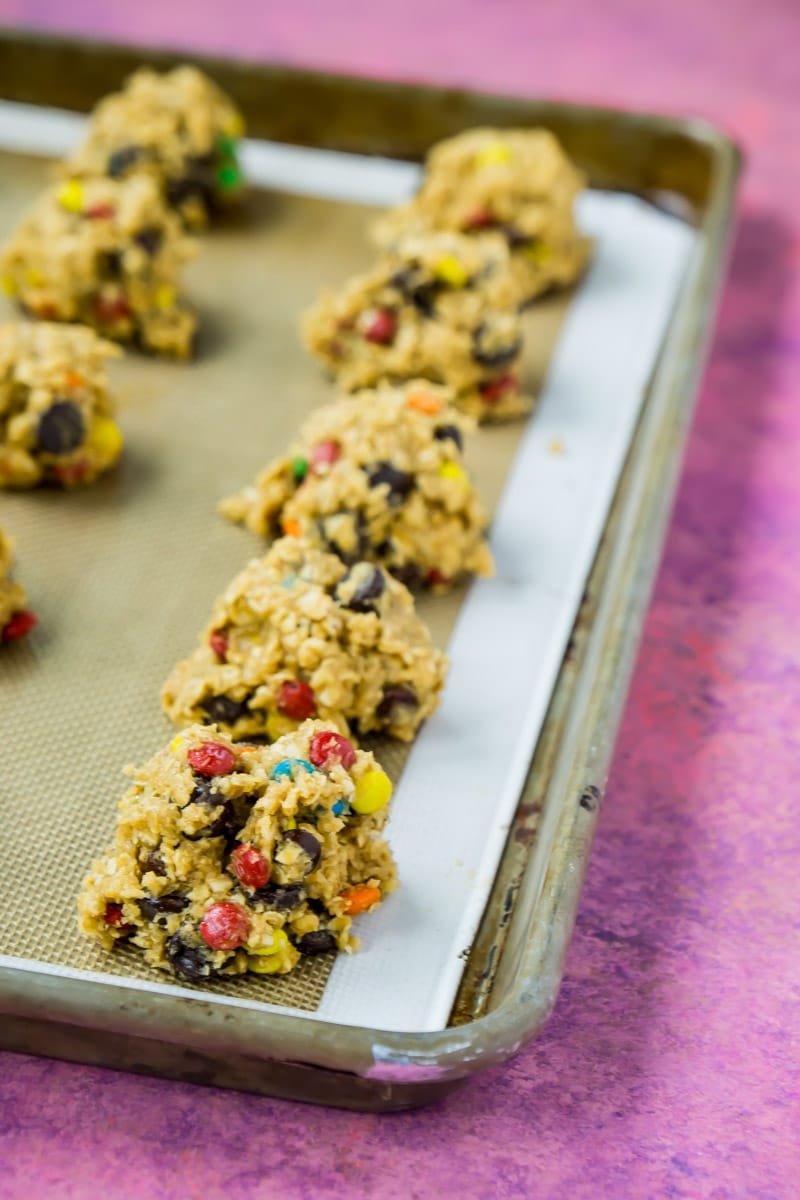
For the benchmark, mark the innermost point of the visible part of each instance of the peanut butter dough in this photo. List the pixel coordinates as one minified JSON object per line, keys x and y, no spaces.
{"x":231,"y":858}
{"x":518,"y":182}
{"x":298,"y":634}
{"x":107,"y":254}
{"x":378,"y":476}
{"x":56,"y":413}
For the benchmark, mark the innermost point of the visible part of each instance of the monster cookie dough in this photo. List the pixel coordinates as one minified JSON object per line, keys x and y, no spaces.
{"x":378,"y":476}
{"x":15,"y":619}
{"x":243,"y":858}
{"x":178,"y":128}
{"x":441,"y":306}
{"x":515,"y":181}
{"x":298,"y":634}
{"x":56,"y":413}
{"x":106,"y":254}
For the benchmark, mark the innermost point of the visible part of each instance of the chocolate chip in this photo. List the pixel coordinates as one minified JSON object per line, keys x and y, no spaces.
{"x":111,"y":264}
{"x":407,"y":573}
{"x":394,"y":697}
{"x":515,"y":237}
{"x":418,"y":288}
{"x":368,"y":589}
{"x":309,"y":844}
{"x":121,"y":159}
{"x":155,"y":863}
{"x":490,"y":350}
{"x":223,"y":710}
{"x":321,"y":941}
{"x":149,"y":239}
{"x":204,"y":793}
{"x":328,"y":527}
{"x":188,"y":962}
{"x":452,"y":433}
{"x":399,"y":483}
{"x":280,"y":898}
{"x":190,"y":188}
{"x":151,"y":906}
{"x":61,"y":428}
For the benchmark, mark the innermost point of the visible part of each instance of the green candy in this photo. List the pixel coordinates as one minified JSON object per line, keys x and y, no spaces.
{"x":299,"y":468}
{"x":229,"y":177}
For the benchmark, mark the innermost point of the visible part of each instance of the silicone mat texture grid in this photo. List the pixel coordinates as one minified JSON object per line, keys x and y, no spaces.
{"x":123,"y":574}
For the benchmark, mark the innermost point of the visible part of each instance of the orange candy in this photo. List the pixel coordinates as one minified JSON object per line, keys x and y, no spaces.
{"x":424,"y":402}
{"x":290,"y":527}
{"x":74,"y":380}
{"x":359,"y":898}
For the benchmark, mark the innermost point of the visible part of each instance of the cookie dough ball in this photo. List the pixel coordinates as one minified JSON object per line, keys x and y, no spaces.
{"x":378,"y":476}
{"x":233,"y":858}
{"x":518,"y":182}
{"x":56,"y":412}
{"x":107,"y":254}
{"x":440,"y":306}
{"x":298,"y":634}
{"x":15,"y":618}
{"x":178,"y":128}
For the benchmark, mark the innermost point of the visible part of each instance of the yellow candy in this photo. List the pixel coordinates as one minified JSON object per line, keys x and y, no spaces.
{"x":70,"y":196}
{"x":536,"y":251}
{"x":176,"y":743}
{"x":105,"y":439}
{"x":451,"y":271}
{"x":165,"y":297}
{"x":492,"y":155}
{"x":268,"y":960}
{"x":290,"y":823}
{"x":234,"y":126}
{"x":451,"y":470}
{"x":278,"y":725}
{"x":372,"y":793}
{"x":34,"y":278}
{"x":9,"y":285}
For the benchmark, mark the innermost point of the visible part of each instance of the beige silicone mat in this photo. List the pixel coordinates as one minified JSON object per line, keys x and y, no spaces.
{"x":123,"y":574}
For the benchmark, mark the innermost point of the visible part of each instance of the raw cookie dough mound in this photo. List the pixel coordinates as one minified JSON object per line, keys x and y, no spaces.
{"x":516,"y":181}
{"x":441,"y":306}
{"x":106,"y":254}
{"x":378,"y":476}
{"x":56,"y":413}
{"x":243,"y":858}
{"x":178,"y":128}
{"x":298,"y":634}
{"x":15,"y":619}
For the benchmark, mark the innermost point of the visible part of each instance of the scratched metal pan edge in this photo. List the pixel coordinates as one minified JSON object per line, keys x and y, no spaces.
{"x":514,"y":968}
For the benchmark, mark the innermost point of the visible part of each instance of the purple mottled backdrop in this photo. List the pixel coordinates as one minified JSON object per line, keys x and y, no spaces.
{"x":670,"y":1066}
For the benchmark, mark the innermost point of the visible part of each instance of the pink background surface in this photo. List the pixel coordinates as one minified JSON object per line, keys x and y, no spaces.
{"x":670,"y":1065}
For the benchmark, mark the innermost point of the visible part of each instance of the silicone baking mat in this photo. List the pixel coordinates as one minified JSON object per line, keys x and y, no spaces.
{"x":123,"y":575}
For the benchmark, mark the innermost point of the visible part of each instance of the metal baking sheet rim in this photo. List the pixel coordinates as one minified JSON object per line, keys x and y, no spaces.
{"x":407,"y":1069}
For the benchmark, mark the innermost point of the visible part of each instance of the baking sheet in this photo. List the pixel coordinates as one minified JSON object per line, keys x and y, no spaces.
{"x":460,"y":784}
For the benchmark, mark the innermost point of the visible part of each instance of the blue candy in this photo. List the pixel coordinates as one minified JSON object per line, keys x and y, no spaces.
{"x":340,"y":807}
{"x":287,"y":766}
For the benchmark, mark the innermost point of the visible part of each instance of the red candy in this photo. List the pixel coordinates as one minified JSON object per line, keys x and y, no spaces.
{"x":225,"y":926}
{"x":218,"y":641}
{"x":72,"y":472}
{"x":21,"y":622}
{"x":328,"y":748}
{"x":381,"y":327}
{"x":250,"y":867}
{"x":325,"y":454}
{"x":435,"y":578}
{"x":113,"y":916}
{"x":100,"y":211}
{"x":494,"y":389}
{"x":296,"y":700}
{"x":211,"y":758}
{"x":112,"y":309}
{"x":481,"y":218}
